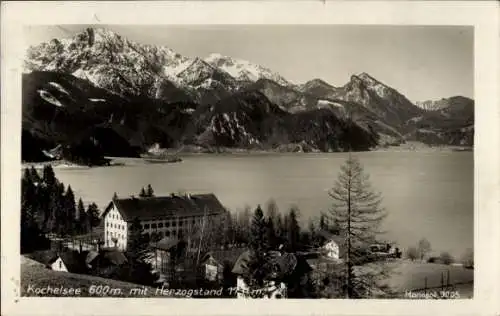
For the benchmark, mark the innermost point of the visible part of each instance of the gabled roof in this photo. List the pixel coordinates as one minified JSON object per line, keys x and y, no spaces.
{"x":166,"y":243}
{"x":227,"y":255}
{"x":150,"y":208}
{"x":241,"y":265}
{"x":91,"y":256}
{"x":113,"y":256}
{"x":47,"y":257}
{"x":73,"y":261}
{"x":283,"y":264}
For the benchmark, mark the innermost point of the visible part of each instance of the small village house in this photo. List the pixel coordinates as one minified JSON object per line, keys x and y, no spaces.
{"x":288,"y":273}
{"x":332,"y":246}
{"x":63,"y":261}
{"x":105,"y":262}
{"x":214,"y":263}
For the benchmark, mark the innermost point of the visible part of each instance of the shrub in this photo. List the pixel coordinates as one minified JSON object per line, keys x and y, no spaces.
{"x":412,"y":253}
{"x":468,"y":259}
{"x":446,"y":258}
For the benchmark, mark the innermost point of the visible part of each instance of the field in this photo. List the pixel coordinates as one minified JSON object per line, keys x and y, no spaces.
{"x":408,"y":275}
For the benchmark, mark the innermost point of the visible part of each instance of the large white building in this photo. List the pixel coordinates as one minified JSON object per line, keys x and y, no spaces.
{"x":165,"y":216}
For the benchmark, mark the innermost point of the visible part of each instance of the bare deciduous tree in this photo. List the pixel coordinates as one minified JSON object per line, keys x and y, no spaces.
{"x":424,"y":247}
{"x":412,"y":253}
{"x":356,"y":208}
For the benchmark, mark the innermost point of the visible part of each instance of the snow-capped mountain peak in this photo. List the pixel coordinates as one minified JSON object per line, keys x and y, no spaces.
{"x":243,"y":70}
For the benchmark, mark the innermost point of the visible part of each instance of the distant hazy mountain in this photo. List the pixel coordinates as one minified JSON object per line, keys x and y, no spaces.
{"x":451,"y":123}
{"x":121,"y":96}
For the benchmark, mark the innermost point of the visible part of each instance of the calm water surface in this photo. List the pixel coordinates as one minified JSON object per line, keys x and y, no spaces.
{"x":426,"y":194}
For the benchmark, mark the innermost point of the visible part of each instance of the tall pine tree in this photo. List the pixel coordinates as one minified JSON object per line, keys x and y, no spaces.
{"x":149,"y":191}
{"x":293,"y":230}
{"x":49,"y":177}
{"x":93,"y":215}
{"x":356,"y":209}
{"x":258,"y":263}
{"x":83,"y":222}
{"x":69,"y":212}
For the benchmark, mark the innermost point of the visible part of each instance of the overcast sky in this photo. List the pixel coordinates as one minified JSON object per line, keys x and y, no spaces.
{"x":422,"y":62}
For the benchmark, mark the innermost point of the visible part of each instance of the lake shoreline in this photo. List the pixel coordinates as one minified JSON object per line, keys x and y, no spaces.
{"x":187,"y":152}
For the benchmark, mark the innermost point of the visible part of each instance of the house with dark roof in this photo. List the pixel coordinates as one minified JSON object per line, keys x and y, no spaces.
{"x":288,"y":273}
{"x":65,"y":261}
{"x":105,"y":262}
{"x":163,"y":216}
{"x":214,"y":263}
{"x":161,"y":252}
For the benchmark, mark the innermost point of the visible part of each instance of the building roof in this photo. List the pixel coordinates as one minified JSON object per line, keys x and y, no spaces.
{"x":166,"y":243}
{"x":73,"y":261}
{"x":226,"y":255}
{"x":150,"y":208}
{"x":283,"y":264}
{"x":47,"y":257}
{"x":113,"y":256}
{"x":91,"y":256}
{"x":329,"y":236}
{"x":241,"y":265}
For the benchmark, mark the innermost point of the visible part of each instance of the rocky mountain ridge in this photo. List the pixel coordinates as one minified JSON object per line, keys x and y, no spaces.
{"x":146,"y":95}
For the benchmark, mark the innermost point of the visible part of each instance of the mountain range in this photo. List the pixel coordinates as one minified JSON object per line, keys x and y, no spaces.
{"x":100,"y":90}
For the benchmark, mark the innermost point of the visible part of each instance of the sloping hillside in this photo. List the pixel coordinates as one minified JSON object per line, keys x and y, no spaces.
{"x":35,"y":276}
{"x":60,"y":109}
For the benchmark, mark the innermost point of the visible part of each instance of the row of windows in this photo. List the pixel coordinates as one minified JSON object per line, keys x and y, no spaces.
{"x":112,"y":234}
{"x":160,"y":235}
{"x":112,"y":225}
{"x":167,"y":224}
{"x":114,"y":216}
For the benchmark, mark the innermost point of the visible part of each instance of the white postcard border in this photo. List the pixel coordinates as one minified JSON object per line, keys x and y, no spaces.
{"x":483,"y":15}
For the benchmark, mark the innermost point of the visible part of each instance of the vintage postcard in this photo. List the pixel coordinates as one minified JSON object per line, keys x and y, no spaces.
{"x":187,"y":157}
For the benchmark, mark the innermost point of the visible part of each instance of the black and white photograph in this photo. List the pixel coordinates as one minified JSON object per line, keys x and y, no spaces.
{"x":261,"y":161}
{"x":247,"y":161}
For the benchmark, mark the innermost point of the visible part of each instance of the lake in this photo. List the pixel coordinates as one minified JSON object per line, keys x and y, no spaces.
{"x":426,"y":194}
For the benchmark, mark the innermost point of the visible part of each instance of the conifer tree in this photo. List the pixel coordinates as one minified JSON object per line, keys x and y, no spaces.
{"x":322,"y":222}
{"x":142,"y":194}
{"x":93,"y":215}
{"x":244,"y":225}
{"x":356,"y":209}
{"x":271,"y":234}
{"x":83,"y":222}
{"x":115,"y":196}
{"x":280,"y":231}
{"x":257,"y":267}
{"x":313,"y":234}
{"x":35,"y":177}
{"x":137,"y":269}
{"x":69,"y":211}
{"x":293,"y":230}
{"x":149,"y":191}
{"x":28,"y":199}
{"x":29,"y":230}
{"x":56,"y":218}
{"x":49,"y":176}
{"x":272,"y":224}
